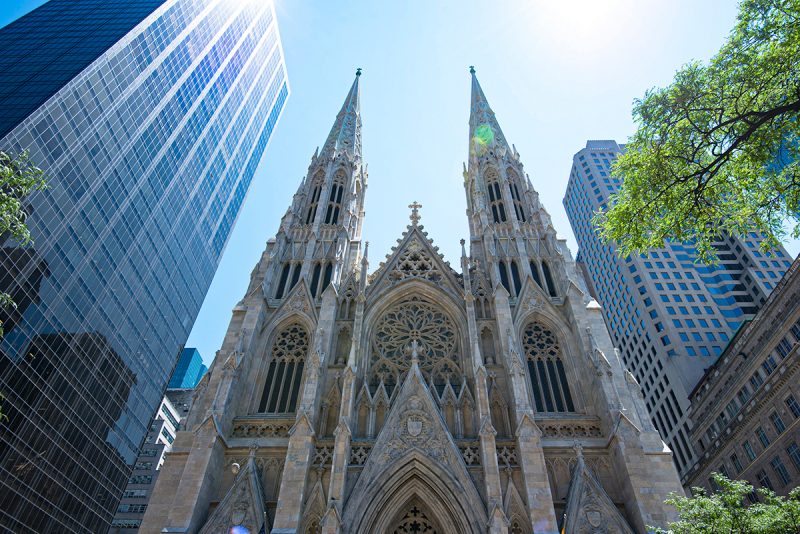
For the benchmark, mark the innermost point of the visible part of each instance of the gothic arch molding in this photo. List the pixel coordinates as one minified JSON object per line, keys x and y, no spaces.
{"x":454,"y":508}
{"x":570,"y":352}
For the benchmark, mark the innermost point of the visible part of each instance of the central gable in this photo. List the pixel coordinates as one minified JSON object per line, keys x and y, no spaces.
{"x":414,"y":450}
{"x":415,"y":257}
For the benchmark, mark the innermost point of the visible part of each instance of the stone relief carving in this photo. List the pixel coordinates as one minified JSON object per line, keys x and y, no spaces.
{"x":262,"y":428}
{"x":570,"y":430}
{"x":359,"y":453}
{"x":414,"y":431}
{"x":589,"y":509}
{"x":507,"y":456}
{"x":243,"y":505}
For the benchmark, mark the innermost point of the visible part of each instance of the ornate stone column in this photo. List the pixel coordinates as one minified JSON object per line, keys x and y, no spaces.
{"x":529,"y":445}
{"x":332,"y":522}
{"x":498,"y":523}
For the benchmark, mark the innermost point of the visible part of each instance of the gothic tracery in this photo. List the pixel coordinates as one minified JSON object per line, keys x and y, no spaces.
{"x":415,"y":319}
{"x":415,"y":262}
{"x":547,"y":374}
{"x":285,"y":370}
{"x":414,"y":522}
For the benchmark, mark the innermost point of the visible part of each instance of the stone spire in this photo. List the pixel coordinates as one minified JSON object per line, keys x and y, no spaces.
{"x":511,"y":232}
{"x":484,"y":130}
{"x":345,"y":135}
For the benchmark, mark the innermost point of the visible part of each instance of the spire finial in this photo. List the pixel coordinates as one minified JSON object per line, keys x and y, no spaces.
{"x":415,"y":217}
{"x":471,"y":69}
{"x":358,"y":71}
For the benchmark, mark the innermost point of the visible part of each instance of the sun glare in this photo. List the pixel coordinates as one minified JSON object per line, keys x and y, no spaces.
{"x":583,"y":27}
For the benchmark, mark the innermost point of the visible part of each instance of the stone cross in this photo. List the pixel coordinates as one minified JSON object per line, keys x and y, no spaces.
{"x":415,"y":206}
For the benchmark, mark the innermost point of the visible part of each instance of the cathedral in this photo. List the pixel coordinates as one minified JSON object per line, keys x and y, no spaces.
{"x":415,"y":398}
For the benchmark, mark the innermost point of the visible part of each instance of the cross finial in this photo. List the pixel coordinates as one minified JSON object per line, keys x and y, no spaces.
{"x":415,"y":206}
{"x":471,"y":69}
{"x":358,"y":71}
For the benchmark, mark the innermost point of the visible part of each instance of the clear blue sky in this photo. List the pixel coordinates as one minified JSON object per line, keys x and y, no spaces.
{"x":556,"y":74}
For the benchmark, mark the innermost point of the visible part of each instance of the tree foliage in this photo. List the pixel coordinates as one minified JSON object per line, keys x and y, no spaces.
{"x":725,"y":511}
{"x":719,"y":147}
{"x":18,"y":178}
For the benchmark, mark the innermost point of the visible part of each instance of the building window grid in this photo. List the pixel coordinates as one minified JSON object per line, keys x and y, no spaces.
{"x":762,"y":437}
{"x":780,"y":470}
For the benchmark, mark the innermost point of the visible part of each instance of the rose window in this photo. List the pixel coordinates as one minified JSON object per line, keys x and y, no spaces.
{"x":415,"y":319}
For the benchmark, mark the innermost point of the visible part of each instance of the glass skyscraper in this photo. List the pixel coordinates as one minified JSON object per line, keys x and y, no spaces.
{"x":669,"y":316}
{"x":188,"y":371}
{"x":149,"y":118}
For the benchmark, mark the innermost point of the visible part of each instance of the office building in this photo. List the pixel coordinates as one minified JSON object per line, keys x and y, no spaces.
{"x":149,"y":119}
{"x":145,"y":472}
{"x":669,"y":316}
{"x":188,"y":371}
{"x":746,"y":408}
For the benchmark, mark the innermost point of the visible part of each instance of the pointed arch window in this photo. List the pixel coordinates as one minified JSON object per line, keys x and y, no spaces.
{"x":509,"y":277}
{"x":515,"y":276}
{"x":285,"y":371}
{"x":347,"y":303}
{"x":285,"y":283}
{"x":313,"y":203}
{"x":495,"y":198}
{"x":487,"y":346}
{"x":551,"y":287}
{"x":335,"y":198}
{"x":321,"y":277}
{"x":315,"y":278}
{"x":513,"y":181}
{"x":546,"y":369}
{"x":535,"y":273}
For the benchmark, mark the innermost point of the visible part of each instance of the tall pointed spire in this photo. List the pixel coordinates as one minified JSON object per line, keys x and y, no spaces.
{"x":484,"y":130}
{"x":345,"y":134}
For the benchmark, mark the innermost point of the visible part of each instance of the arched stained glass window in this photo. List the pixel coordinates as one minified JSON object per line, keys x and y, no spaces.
{"x":285,"y":371}
{"x":513,"y":180}
{"x":535,"y":273}
{"x":495,"y":198}
{"x":551,"y":287}
{"x":546,"y":369}
{"x":335,"y":198}
{"x":313,"y":201}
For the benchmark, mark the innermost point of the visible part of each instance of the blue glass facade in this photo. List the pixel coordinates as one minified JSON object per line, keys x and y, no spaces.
{"x":670,"y":317}
{"x":149,"y":151}
{"x":188,"y":371}
{"x":47,"y":48}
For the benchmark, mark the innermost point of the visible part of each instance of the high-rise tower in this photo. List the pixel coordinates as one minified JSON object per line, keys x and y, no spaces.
{"x":670,"y":317}
{"x":149,"y":119}
{"x":416,"y":398}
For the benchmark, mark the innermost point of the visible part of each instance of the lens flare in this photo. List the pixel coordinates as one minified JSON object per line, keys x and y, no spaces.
{"x":484,"y":135}
{"x":239,"y":529}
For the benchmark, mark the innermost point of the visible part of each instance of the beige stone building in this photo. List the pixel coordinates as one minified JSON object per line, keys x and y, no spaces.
{"x":746,"y":409}
{"x":416,"y":397}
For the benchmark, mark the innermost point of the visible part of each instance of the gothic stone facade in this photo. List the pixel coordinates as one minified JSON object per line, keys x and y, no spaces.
{"x":746,"y":409}
{"x":416,"y":398}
